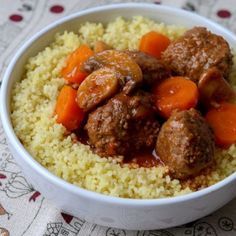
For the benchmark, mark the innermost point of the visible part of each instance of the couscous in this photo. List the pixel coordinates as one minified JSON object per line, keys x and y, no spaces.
{"x":34,"y":121}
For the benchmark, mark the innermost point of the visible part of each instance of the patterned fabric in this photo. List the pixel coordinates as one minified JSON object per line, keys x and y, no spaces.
{"x":23,"y":211}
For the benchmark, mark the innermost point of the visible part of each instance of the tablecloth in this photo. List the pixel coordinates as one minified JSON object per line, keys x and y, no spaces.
{"x":23,"y":210}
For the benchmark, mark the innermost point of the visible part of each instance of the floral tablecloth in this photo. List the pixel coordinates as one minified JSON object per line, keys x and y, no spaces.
{"x":23,"y":210}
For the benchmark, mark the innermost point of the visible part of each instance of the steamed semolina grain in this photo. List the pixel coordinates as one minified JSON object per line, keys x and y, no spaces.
{"x":123,"y":34}
{"x":33,"y":102}
{"x":91,"y":32}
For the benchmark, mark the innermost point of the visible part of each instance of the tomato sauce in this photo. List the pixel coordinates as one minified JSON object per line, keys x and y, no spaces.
{"x":82,"y":137}
{"x":145,"y":158}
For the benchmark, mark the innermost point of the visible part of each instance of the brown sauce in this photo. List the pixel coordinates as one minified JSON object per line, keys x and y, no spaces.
{"x":82,"y":137}
{"x":146,"y":158}
{"x":149,"y":158}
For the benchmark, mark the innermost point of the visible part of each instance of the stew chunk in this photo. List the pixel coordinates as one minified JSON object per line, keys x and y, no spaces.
{"x":185,"y":144}
{"x":124,"y":125}
{"x":196,"y":51}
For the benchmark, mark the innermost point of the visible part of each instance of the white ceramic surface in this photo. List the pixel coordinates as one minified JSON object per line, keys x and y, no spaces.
{"x":94,"y":207}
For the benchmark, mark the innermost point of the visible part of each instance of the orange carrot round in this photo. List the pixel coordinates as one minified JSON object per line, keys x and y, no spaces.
{"x":68,"y":112}
{"x":223,"y":122}
{"x":72,"y":71}
{"x":175,"y":93}
{"x":154,"y":43}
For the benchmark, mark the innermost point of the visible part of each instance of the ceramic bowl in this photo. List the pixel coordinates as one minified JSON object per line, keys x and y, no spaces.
{"x":95,"y":207}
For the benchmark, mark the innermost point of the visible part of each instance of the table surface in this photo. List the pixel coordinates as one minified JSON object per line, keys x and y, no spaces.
{"x":23,"y":210}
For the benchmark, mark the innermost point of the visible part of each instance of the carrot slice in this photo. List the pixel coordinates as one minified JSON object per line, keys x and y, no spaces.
{"x":175,"y":93}
{"x":154,"y":43}
{"x":223,"y":122}
{"x":68,"y":112}
{"x":72,"y":71}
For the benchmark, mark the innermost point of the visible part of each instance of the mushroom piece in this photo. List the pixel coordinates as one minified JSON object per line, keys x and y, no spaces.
{"x":100,"y":85}
{"x":101,"y":46}
{"x":153,"y":69}
{"x":130,"y":73}
{"x":213,"y":88}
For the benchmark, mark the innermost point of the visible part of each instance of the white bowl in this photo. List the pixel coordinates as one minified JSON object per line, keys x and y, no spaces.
{"x":95,"y":207}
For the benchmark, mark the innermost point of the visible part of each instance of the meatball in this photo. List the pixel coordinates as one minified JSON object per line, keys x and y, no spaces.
{"x":124,"y":125}
{"x":152,"y":68}
{"x":185,"y":144}
{"x":196,"y":51}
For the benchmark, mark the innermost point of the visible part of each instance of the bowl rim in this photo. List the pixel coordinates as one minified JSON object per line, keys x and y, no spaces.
{"x":61,"y":183}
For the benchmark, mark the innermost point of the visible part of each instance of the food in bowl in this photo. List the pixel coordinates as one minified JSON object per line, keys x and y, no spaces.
{"x":135,"y":96}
